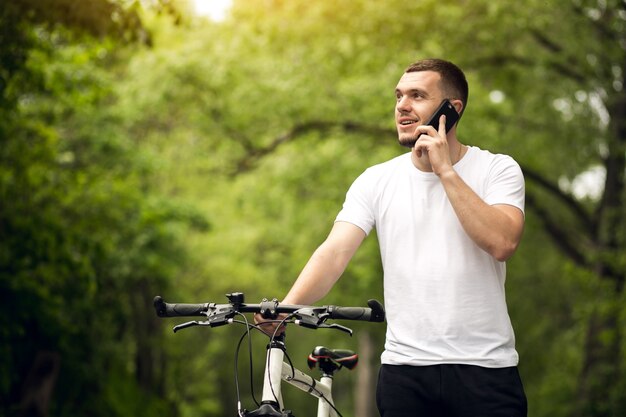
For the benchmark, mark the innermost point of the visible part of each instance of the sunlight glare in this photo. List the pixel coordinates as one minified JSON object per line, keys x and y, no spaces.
{"x":214,"y":9}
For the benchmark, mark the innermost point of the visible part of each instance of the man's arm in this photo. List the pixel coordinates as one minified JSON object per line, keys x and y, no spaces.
{"x":496,"y":229}
{"x":326,"y":264}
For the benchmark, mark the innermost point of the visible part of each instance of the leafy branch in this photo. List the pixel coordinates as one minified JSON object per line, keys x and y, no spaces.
{"x":254,"y":154}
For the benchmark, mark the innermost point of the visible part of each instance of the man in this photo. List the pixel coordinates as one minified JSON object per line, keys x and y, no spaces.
{"x":447,"y":216}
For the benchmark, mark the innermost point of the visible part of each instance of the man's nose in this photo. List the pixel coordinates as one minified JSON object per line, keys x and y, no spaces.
{"x":403,"y":104}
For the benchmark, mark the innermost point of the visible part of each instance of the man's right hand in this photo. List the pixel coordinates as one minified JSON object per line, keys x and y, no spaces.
{"x":269,"y":326}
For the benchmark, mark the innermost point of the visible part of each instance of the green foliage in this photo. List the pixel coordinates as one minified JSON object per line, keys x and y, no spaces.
{"x":85,"y":242}
{"x":113,"y":156}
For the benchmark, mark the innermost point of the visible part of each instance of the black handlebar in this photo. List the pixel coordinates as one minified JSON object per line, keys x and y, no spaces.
{"x":308,"y":316}
{"x":164,"y":309}
{"x":374,"y":313}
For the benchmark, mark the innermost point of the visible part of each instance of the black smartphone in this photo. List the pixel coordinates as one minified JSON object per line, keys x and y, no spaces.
{"x":451,"y":118}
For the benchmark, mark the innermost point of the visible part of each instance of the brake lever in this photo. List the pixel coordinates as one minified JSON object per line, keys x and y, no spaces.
{"x":215,"y":319}
{"x":337,"y":327}
{"x":190,"y":324}
{"x":316,"y":320}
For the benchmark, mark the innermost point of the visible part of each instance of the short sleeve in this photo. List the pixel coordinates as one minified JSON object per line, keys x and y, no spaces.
{"x":505,"y":183}
{"x":358,"y":205}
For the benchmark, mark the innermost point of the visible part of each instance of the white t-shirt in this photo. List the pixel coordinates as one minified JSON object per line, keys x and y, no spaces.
{"x":444,"y":296}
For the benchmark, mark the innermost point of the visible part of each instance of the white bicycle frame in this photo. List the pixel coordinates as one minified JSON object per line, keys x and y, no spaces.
{"x":277,"y":370}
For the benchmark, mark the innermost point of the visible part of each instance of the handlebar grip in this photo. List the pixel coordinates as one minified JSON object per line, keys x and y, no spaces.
{"x":375,"y":313}
{"x":350,"y":313}
{"x":164,"y":309}
{"x":378,"y":311}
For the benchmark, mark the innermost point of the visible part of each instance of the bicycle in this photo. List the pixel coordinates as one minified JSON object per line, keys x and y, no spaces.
{"x":327,"y":360}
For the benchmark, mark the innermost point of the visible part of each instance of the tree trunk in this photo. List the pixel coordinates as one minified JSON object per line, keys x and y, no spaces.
{"x":39,"y":385}
{"x":147,"y":355}
{"x":601,"y":364}
{"x":365,"y":388}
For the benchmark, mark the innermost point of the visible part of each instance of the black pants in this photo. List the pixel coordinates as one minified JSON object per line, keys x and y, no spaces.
{"x":450,"y":391}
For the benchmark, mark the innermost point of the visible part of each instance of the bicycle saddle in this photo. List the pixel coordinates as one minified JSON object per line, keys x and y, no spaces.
{"x":332,"y":359}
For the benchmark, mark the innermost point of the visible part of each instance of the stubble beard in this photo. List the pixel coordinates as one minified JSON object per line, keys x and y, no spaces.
{"x":407,"y":140}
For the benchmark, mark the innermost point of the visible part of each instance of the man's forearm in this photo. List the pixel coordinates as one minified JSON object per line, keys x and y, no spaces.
{"x":326,"y":264}
{"x":315,"y":280}
{"x":495,"y":229}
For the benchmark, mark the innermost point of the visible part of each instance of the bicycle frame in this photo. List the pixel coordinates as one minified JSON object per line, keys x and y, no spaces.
{"x":276,"y":370}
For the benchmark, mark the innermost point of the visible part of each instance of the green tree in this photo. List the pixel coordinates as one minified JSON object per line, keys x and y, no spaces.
{"x":85,"y":241}
{"x":263,"y":121}
{"x":547,"y":94}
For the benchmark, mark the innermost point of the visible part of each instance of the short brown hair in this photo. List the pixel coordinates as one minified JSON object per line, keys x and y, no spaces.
{"x":453,"y":79}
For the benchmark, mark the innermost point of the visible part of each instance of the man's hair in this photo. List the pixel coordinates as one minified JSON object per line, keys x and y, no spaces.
{"x":453,"y":82}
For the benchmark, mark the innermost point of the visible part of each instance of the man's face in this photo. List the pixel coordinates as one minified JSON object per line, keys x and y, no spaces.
{"x":418,"y":94}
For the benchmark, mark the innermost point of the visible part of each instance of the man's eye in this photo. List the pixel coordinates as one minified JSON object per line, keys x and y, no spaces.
{"x":413,"y":96}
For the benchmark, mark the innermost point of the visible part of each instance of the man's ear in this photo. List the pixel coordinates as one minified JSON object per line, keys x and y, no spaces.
{"x":458,"y":105}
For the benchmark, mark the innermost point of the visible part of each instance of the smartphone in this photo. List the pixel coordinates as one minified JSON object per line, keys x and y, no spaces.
{"x":451,"y":118}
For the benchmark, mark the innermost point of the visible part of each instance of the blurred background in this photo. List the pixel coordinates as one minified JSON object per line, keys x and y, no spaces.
{"x":164,"y":147}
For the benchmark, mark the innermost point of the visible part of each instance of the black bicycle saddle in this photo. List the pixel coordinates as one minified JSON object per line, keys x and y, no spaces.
{"x":328,"y":359}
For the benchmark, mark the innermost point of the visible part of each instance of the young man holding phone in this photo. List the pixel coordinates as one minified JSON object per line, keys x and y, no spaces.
{"x":447,"y":217}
